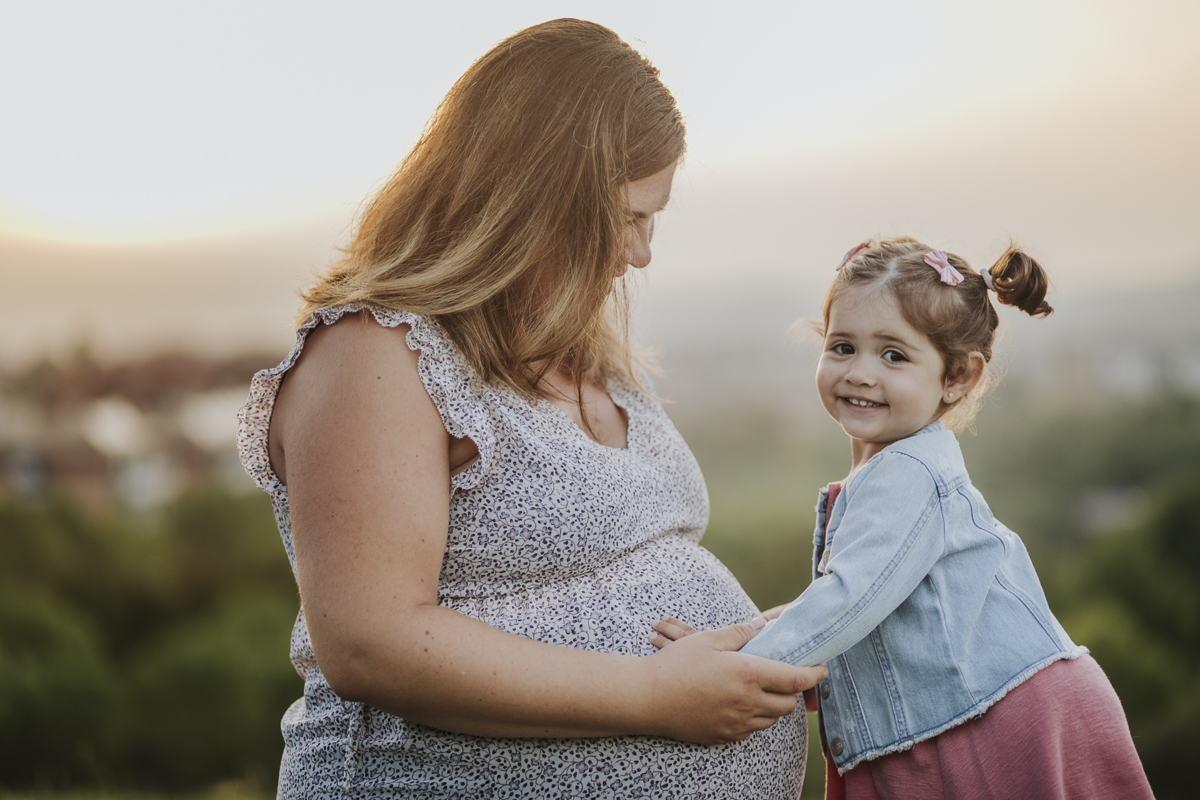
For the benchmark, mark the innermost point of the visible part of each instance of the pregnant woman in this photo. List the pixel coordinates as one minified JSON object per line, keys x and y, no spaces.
{"x":484,"y":505}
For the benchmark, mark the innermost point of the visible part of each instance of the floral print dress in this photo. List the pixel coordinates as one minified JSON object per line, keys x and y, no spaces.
{"x":553,"y":537}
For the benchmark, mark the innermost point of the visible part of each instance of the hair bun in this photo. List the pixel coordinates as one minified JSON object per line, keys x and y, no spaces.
{"x":1020,"y":281}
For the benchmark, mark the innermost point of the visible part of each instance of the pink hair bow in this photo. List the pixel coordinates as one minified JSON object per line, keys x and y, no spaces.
{"x":854,"y":252}
{"x":937,"y":259}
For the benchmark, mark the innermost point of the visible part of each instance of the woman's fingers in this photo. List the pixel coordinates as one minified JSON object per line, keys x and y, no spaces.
{"x":777,"y":705}
{"x":772,"y":676}
{"x":706,"y":694}
{"x":776,"y":676}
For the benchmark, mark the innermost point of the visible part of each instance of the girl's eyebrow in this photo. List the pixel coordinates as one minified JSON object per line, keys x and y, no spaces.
{"x":891,"y":337}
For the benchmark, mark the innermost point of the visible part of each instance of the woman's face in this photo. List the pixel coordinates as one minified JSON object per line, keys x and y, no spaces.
{"x":647,"y":197}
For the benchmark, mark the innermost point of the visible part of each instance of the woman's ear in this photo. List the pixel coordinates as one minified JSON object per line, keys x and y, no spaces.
{"x":960,"y":384}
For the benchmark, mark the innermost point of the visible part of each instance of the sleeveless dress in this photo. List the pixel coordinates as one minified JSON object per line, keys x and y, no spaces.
{"x":553,"y":537}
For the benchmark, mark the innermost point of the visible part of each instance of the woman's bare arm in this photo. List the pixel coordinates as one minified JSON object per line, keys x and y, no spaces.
{"x":365,"y":457}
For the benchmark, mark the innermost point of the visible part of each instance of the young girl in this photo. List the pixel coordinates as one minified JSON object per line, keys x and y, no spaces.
{"x":948,"y":674}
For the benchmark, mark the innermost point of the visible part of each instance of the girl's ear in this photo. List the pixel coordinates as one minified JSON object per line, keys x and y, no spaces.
{"x":960,"y":384}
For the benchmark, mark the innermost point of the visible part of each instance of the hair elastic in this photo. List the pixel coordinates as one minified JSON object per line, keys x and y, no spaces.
{"x":987,"y":279}
{"x":854,"y":252}
{"x":937,"y":259}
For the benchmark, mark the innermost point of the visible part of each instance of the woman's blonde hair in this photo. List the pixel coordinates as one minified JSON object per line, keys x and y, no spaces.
{"x":958,"y":319}
{"x":522,"y":169}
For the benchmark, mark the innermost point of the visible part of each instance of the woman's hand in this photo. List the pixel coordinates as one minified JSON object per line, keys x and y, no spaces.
{"x":711,"y":694}
{"x":671,"y":630}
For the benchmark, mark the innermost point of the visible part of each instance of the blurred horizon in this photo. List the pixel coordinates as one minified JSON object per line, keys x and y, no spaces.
{"x":159,"y":194}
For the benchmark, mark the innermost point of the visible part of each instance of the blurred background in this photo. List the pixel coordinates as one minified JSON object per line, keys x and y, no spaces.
{"x":170,"y":174}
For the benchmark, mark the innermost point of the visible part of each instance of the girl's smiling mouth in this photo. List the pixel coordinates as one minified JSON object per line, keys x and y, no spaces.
{"x":859,"y":402}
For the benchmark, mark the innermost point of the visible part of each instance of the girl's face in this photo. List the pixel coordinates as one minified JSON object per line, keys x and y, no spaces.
{"x":880,"y":378}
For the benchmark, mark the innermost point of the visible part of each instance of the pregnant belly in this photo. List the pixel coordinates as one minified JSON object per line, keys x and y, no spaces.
{"x":380,"y":755}
{"x":611,"y":610}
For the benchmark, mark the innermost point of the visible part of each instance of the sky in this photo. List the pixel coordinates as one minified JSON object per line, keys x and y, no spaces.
{"x":170,"y":173}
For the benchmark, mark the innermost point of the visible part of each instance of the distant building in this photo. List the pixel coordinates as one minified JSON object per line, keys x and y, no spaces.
{"x":130,"y":435}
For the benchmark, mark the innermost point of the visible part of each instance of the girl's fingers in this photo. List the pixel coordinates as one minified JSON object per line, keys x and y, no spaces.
{"x":773,"y":613}
{"x":671,"y":629}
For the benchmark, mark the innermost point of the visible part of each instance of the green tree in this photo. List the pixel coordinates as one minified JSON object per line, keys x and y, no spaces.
{"x":59,"y":694}
{"x":1137,"y":607}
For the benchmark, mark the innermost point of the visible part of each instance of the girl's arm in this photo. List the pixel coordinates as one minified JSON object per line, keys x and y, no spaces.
{"x":366,"y":461}
{"x":887,"y":542}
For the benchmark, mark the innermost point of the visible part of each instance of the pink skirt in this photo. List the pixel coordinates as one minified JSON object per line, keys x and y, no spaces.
{"x":1060,"y":734}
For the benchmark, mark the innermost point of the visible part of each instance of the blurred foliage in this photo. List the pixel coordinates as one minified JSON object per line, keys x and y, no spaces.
{"x":1136,"y":604}
{"x":151,"y":653}
{"x":144,"y":653}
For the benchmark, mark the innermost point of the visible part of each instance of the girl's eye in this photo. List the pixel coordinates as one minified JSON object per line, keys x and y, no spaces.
{"x":894,"y":357}
{"x":843,"y":349}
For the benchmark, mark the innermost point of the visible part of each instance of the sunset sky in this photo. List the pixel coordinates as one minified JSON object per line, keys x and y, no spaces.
{"x":171,"y":172}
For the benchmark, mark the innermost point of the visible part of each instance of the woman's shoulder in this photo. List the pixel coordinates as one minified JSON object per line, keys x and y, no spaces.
{"x":343,"y":346}
{"x":339,"y":346}
{"x":421,"y":332}
{"x":340,"y":341}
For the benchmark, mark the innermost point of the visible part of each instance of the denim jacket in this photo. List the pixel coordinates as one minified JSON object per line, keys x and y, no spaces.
{"x":924,"y":608}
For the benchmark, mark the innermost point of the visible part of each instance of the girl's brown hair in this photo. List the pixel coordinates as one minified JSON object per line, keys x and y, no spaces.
{"x":517,"y":183}
{"x":959,"y":319}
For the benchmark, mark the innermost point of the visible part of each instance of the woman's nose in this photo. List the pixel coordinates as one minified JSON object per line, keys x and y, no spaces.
{"x":637,"y":247}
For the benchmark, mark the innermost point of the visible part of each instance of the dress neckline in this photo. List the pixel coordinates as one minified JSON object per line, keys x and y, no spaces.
{"x":619,"y":396}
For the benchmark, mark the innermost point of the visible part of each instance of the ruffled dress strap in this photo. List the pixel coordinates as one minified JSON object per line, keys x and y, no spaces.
{"x":456,"y":391}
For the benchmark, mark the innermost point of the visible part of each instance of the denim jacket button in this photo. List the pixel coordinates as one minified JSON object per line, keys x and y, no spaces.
{"x":835,"y":747}
{"x":824,"y":690}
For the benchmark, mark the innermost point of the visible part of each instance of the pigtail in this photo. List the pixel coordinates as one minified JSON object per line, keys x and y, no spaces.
{"x":1020,"y":281}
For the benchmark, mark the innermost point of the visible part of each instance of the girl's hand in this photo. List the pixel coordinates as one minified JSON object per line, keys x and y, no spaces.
{"x":670,"y":630}
{"x":773,"y":613}
{"x":810,"y":695}
{"x":708,"y":694}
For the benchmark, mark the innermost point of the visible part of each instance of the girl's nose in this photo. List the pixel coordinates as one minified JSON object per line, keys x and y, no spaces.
{"x":859,"y":374}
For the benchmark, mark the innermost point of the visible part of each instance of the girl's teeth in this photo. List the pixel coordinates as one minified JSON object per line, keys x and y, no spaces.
{"x":862,"y":403}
